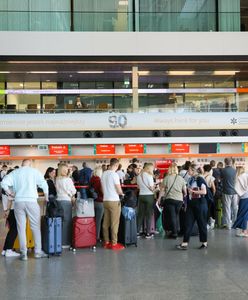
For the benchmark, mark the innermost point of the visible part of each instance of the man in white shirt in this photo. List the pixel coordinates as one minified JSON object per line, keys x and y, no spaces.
{"x":112,"y":206}
{"x":24,"y":182}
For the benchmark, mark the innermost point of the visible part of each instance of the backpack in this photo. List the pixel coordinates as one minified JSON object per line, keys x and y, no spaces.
{"x":209,"y":196}
{"x":54,"y":209}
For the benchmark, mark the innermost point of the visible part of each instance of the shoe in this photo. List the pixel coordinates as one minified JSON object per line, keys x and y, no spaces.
{"x":11,"y":253}
{"x":241,"y":234}
{"x":3,"y":253}
{"x":181,"y":247}
{"x":148,"y":236}
{"x":23,"y":257}
{"x":156,"y":232}
{"x":117,"y":247}
{"x":203,"y":246}
{"x":40,"y":255}
{"x":107,"y":245}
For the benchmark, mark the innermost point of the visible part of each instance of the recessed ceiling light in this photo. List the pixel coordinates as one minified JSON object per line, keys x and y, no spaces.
{"x":43,"y":72}
{"x":90,"y":72}
{"x":70,"y":76}
{"x":144,"y":73}
{"x":225,"y":72}
{"x":48,"y":80}
{"x":4,"y":72}
{"x":178,"y":73}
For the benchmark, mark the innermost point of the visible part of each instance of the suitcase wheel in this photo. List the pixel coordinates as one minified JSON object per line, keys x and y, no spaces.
{"x":94,"y":248}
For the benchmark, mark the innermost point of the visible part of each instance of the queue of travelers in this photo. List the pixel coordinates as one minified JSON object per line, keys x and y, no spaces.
{"x":185,"y":199}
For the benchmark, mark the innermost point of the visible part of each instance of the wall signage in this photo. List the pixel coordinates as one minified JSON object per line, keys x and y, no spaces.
{"x":4,"y":150}
{"x":135,"y":148}
{"x":104,"y":149}
{"x":58,"y":149}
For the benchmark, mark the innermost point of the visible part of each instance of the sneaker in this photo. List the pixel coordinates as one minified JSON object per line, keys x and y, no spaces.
{"x":139,"y":235}
{"x":3,"y":253}
{"x":11,"y":253}
{"x":181,"y":247}
{"x":148,"y":236}
{"x":40,"y":255}
{"x":107,"y":245}
{"x":23,"y":256}
{"x":117,"y":247}
{"x":203,"y":247}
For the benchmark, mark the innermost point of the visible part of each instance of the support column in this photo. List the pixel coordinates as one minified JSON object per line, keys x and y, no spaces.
{"x":135,"y":86}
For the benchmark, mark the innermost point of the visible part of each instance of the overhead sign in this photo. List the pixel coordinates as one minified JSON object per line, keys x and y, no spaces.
{"x":179,"y":148}
{"x":135,"y":148}
{"x":4,"y":150}
{"x":104,"y":149}
{"x":58,"y":149}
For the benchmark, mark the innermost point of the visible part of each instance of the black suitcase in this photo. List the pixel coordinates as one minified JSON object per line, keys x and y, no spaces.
{"x":127,"y":234}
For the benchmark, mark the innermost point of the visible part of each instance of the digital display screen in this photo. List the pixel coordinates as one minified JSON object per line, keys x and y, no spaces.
{"x":208,"y":148}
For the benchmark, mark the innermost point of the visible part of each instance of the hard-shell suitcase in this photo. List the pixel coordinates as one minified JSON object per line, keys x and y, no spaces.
{"x":51,"y":229}
{"x":83,"y":232}
{"x":127,"y":234}
{"x":218,"y":213}
{"x":29,"y":237}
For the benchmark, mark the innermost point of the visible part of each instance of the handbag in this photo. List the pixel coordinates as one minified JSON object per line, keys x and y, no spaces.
{"x":163,"y":199}
{"x":54,"y":209}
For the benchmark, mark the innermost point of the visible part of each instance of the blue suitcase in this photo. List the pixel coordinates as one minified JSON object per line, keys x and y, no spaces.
{"x":51,"y":229}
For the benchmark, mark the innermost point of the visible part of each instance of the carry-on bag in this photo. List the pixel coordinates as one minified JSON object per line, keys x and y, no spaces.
{"x":85,"y":208}
{"x":51,"y":229}
{"x":83,"y":232}
{"x":29,"y":237}
{"x":127,"y":234}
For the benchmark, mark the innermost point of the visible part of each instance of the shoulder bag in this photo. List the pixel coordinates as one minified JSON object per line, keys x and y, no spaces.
{"x":163,"y":199}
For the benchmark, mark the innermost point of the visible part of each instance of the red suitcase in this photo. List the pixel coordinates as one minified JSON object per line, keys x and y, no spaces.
{"x":84,"y":232}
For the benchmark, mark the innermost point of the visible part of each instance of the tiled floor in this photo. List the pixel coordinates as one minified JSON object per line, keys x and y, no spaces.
{"x":154,"y":270}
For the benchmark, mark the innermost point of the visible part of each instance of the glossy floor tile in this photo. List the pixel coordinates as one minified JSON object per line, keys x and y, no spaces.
{"x":154,"y":270}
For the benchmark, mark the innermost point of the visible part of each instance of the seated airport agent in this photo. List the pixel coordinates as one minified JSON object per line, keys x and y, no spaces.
{"x":24,"y":182}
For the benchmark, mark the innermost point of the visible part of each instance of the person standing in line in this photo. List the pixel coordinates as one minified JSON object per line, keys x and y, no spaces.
{"x":75,"y":174}
{"x":146,"y":198}
{"x":112,"y":205}
{"x":65,"y":193}
{"x":95,"y":182}
{"x":207,"y":175}
{"x":50,"y":178}
{"x":174,"y":189}
{"x":121,"y":174}
{"x":8,"y":208}
{"x":3,"y":172}
{"x":241,"y":187}
{"x":197,"y":209}
{"x":229,"y":197}
{"x":24,"y":182}
{"x":184,"y":172}
{"x":84,"y":179}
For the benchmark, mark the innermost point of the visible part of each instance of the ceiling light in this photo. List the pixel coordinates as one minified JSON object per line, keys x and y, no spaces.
{"x":43,"y":72}
{"x":178,"y":73}
{"x":144,"y":73}
{"x":123,"y":2}
{"x":4,"y":72}
{"x":90,"y":72}
{"x":225,"y":72}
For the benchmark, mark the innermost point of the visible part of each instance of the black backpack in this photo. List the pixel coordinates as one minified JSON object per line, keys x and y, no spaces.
{"x":54,"y":209}
{"x":209,"y":196}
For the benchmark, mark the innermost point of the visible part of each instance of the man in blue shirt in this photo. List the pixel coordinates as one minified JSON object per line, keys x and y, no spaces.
{"x":24,"y":182}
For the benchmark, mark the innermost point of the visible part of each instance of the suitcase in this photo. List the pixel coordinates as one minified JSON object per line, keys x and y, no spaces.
{"x":29,"y":237}
{"x":51,"y":229}
{"x":218,"y":213}
{"x":83,"y":232}
{"x":127,"y":233}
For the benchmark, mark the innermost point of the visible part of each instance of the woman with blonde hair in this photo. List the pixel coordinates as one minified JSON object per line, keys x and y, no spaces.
{"x":173,"y":189}
{"x":95,"y":183}
{"x":146,"y":197}
{"x":241,"y":188}
{"x":65,"y":192}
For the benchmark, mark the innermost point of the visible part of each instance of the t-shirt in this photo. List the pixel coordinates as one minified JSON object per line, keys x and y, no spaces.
{"x":228,"y":176}
{"x":144,"y":181}
{"x":185,"y":175}
{"x":121,"y":175}
{"x":209,"y":180}
{"x":109,"y":180}
{"x":176,"y":191}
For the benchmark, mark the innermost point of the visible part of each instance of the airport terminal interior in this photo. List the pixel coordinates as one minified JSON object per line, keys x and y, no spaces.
{"x":158,"y":87}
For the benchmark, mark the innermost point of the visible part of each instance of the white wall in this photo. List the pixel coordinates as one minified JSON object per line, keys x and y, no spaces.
{"x":124,"y":43}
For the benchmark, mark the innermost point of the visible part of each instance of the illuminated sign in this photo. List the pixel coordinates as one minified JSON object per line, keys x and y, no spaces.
{"x":104,"y":149}
{"x":179,"y":148}
{"x":58,"y":149}
{"x":134,"y":148}
{"x":4,"y":150}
